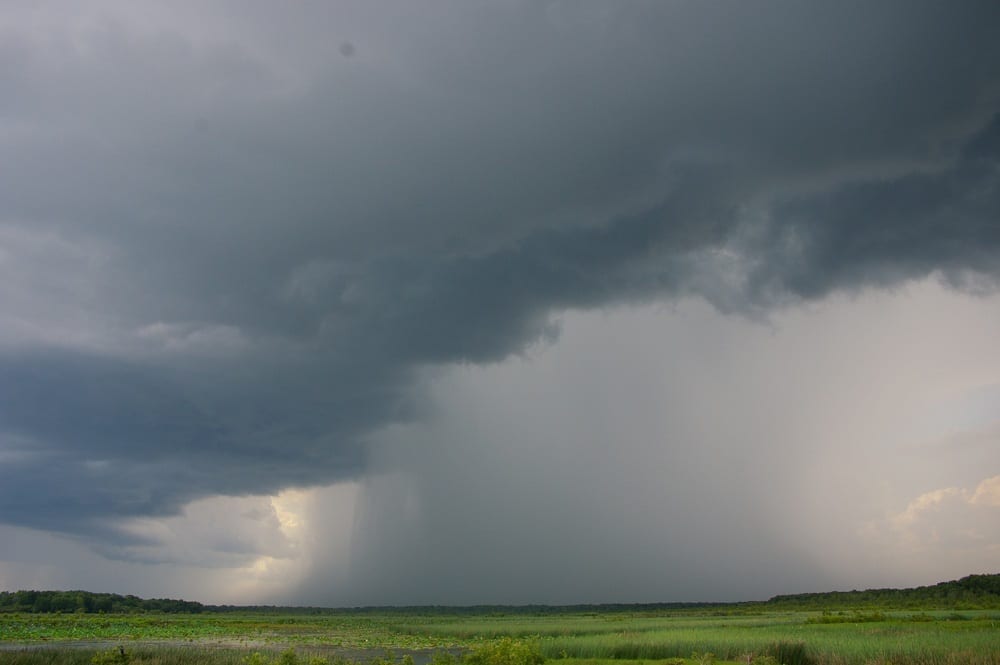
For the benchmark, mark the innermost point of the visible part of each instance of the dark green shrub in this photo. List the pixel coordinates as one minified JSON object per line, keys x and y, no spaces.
{"x":443,"y":658}
{"x":790,"y":653}
{"x":506,"y":651}
{"x":288,"y":657}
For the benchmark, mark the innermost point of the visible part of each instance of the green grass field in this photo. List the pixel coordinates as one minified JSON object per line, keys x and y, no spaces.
{"x":590,"y":638}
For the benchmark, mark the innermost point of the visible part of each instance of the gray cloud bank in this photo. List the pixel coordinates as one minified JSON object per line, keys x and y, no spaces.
{"x":226,"y":246}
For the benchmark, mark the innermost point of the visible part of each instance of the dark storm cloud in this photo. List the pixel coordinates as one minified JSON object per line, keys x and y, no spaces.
{"x":883,"y":231}
{"x":227,"y":244}
{"x":93,"y":437}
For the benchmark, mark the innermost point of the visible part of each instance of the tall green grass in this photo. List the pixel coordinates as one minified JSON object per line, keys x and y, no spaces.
{"x":845,"y":644}
{"x":791,"y":638}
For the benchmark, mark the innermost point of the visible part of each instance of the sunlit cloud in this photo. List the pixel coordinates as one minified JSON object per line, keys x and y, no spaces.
{"x":953,"y":518}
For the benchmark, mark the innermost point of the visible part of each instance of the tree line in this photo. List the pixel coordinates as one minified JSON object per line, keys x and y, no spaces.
{"x":88,"y":602}
{"x":970,"y":591}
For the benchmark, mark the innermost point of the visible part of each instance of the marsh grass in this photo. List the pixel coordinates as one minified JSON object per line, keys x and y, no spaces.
{"x":147,"y":656}
{"x":855,"y":637}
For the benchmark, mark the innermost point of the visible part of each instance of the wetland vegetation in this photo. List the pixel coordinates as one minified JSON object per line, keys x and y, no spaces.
{"x":949,"y":624}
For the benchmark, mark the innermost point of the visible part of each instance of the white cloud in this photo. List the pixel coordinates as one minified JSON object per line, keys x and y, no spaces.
{"x":987,"y":493}
{"x":952,"y":519}
{"x":940,"y":534}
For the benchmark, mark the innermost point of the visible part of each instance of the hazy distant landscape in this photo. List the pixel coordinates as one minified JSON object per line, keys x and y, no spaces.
{"x":947,"y":623}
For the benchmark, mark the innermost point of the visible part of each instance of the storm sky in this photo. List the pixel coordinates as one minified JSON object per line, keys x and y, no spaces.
{"x":357,"y":303}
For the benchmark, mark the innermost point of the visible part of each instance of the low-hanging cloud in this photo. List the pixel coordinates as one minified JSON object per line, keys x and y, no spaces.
{"x":228,"y":253}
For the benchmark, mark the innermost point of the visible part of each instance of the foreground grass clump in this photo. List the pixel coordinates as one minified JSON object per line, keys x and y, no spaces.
{"x":506,"y":651}
{"x":117,"y":656}
{"x":789,"y":653}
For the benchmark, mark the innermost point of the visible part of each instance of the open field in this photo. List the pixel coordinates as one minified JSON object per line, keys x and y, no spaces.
{"x":845,"y":637}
